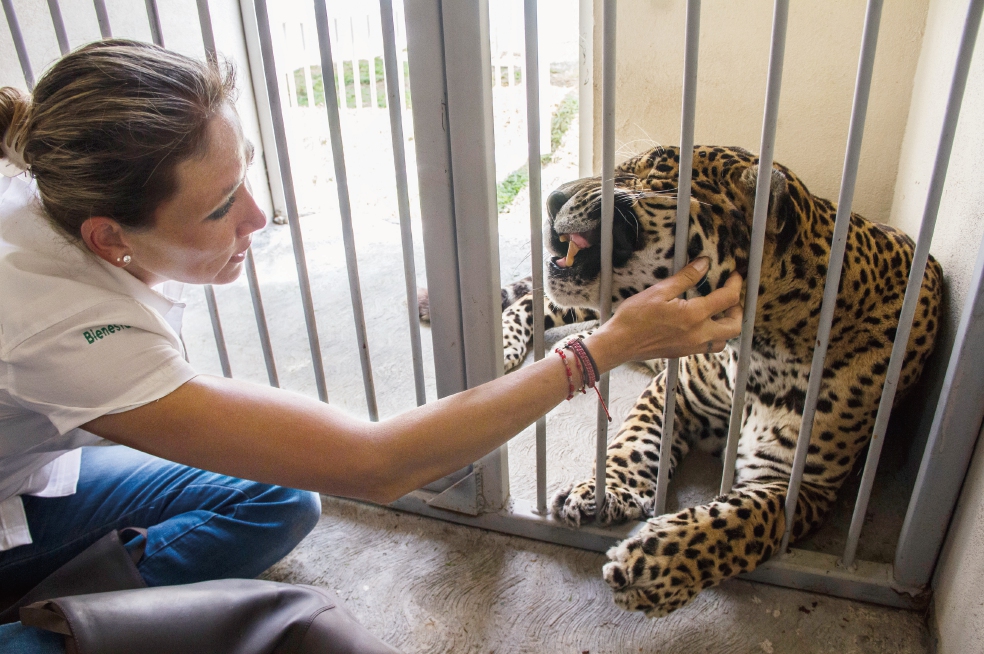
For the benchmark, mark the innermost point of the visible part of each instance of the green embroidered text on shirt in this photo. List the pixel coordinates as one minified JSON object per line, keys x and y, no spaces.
{"x":91,"y":336}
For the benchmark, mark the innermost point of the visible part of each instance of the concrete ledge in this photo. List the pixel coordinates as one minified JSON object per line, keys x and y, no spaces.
{"x":800,"y":569}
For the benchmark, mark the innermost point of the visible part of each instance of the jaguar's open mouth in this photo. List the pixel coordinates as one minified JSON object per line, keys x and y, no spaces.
{"x":575,"y":243}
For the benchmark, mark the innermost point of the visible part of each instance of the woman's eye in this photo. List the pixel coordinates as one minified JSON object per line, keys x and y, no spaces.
{"x":223,"y":210}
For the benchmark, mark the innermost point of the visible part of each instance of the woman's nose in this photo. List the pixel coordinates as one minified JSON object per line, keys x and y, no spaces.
{"x":254,"y":219}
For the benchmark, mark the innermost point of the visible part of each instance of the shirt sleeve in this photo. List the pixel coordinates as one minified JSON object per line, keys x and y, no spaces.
{"x":110,"y":358}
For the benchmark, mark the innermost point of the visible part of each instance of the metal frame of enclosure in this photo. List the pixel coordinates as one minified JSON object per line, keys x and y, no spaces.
{"x":451,"y":84}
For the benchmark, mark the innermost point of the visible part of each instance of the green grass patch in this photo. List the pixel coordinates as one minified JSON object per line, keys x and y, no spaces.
{"x":507,"y":190}
{"x":561,"y":120}
{"x":301,"y":88}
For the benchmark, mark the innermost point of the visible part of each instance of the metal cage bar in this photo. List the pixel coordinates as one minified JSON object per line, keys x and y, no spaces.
{"x":208,"y":41}
{"x":276,"y":110}
{"x":681,"y":238}
{"x":469,"y":100}
{"x":154,"y":18}
{"x":205,"y":25}
{"x":261,"y":322}
{"x":950,"y":446}
{"x":919,"y":259}
{"x":759,"y":217}
{"x":852,"y":155}
{"x":532,"y":82}
{"x":394,"y":105}
{"x":208,"y":35}
{"x":102,"y":16}
{"x":213,"y":313}
{"x":59,"y":24}
{"x":345,"y":207}
{"x":607,"y":223}
{"x":19,"y":46}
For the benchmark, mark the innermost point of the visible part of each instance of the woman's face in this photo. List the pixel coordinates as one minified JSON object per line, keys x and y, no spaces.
{"x":200,"y":235}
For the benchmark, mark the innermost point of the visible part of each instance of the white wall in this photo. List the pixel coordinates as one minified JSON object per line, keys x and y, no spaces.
{"x":958,"y":615}
{"x":823,"y":42}
{"x":128,"y":18}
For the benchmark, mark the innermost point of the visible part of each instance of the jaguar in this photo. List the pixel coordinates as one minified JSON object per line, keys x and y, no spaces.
{"x":665,"y":564}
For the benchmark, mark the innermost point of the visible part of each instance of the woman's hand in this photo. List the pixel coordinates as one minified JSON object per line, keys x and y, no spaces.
{"x":658,"y":324}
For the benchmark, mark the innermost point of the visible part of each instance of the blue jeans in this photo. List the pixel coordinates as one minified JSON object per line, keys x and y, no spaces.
{"x":200,"y":526}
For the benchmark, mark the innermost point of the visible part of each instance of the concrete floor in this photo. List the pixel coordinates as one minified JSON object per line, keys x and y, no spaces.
{"x":430,"y":586}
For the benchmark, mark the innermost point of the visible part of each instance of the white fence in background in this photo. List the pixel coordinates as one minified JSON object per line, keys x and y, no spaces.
{"x":357,"y":48}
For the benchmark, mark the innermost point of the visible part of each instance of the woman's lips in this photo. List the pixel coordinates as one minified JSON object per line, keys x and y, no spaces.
{"x":240,"y":256}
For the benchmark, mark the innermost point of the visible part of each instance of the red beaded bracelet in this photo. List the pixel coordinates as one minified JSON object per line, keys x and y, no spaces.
{"x":570,"y":375}
{"x":589,"y":370}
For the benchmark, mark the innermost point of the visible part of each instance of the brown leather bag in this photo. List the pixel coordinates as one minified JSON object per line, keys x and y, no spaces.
{"x":99,"y":602}
{"x":234,"y":616}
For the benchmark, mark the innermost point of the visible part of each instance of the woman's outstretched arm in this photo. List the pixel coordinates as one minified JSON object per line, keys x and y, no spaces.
{"x":267,"y":434}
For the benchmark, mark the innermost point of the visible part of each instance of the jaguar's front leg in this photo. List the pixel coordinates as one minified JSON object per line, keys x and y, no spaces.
{"x":675,"y":556}
{"x":701,"y":415}
{"x":630,"y":473}
{"x":517,"y":326}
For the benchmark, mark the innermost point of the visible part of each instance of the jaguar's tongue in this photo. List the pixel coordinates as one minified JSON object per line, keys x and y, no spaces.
{"x":575,"y":243}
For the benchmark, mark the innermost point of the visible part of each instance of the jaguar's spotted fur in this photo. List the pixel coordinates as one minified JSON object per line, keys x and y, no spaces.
{"x":675,"y":556}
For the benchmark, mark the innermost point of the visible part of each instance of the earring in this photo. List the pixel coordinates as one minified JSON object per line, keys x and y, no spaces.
{"x":126,"y":259}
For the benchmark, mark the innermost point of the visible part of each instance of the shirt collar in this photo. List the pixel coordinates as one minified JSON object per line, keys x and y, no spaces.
{"x":138,"y":290}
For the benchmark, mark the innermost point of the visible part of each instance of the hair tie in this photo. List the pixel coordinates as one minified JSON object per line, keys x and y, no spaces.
{"x":12,"y":162}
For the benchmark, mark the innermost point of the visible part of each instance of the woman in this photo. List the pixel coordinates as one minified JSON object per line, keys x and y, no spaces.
{"x":135,"y":168}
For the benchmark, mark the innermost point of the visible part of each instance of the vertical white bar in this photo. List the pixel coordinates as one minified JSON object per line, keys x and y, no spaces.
{"x":466,"y":43}
{"x":759,"y":218}
{"x":607,"y":222}
{"x":394,"y":106}
{"x":213,"y":314}
{"x":401,"y":49}
{"x":205,"y":24}
{"x":261,"y":322}
{"x":345,"y":209}
{"x":59,"y":24}
{"x":102,"y":16}
{"x":862,"y":88}
{"x":950,"y":447}
{"x":432,"y":141}
{"x":536,"y":228}
{"x":919,"y":259}
{"x":154,"y":19}
{"x":276,"y":110}
{"x":585,"y":92}
{"x":371,"y":52}
{"x":18,"y":38}
{"x":681,"y":238}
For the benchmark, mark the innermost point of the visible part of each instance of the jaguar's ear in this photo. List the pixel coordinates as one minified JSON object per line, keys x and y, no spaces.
{"x":783,"y":220}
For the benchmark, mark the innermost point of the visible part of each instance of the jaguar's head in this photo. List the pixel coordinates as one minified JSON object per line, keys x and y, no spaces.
{"x":643,"y":240}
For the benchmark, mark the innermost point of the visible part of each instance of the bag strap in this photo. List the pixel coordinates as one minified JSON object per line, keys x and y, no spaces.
{"x":45,"y":615}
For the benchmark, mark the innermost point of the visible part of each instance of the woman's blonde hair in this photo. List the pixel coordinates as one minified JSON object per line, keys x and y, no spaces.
{"x":107,"y":125}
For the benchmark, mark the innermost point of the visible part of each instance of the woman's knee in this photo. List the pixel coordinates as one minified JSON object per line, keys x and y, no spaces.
{"x":307,"y":507}
{"x":297,"y":511}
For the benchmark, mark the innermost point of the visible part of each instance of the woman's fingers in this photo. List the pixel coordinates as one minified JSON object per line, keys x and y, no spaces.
{"x":728,"y":324}
{"x":721,"y":299}
{"x":688,"y":277}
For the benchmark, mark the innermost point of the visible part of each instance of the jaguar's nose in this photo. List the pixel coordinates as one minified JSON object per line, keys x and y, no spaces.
{"x":555,"y":201}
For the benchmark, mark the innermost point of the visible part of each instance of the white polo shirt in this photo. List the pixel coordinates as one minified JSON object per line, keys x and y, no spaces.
{"x":79,"y":338}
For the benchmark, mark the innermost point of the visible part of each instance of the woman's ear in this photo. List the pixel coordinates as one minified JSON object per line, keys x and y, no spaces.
{"x":106,"y":239}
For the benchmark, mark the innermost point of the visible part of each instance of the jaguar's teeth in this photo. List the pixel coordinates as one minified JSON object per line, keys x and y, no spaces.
{"x":564,"y":238}
{"x":572,"y":249}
